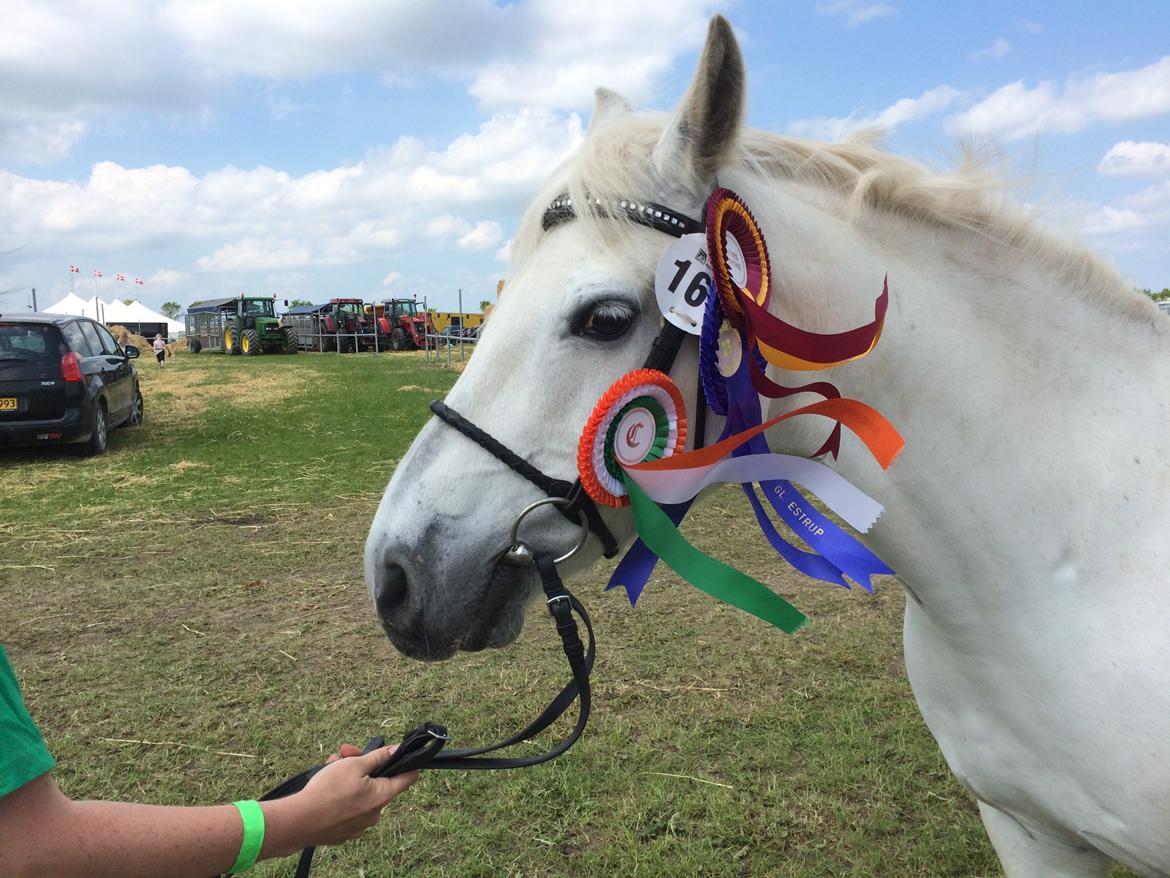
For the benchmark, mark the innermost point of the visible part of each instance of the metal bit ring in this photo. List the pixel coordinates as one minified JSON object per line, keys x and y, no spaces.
{"x":518,"y":545}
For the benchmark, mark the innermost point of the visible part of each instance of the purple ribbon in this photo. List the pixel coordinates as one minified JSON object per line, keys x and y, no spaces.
{"x":836,"y":552}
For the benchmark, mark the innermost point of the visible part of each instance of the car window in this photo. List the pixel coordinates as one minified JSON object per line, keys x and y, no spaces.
{"x":111,"y":346}
{"x":30,"y":342}
{"x":76,"y":339}
{"x":91,"y":336}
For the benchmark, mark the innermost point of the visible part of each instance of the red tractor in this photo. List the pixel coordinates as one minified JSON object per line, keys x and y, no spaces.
{"x":336,"y":325}
{"x":404,"y":325}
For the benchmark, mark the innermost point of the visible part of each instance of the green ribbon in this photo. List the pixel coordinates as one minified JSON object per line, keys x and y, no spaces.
{"x":705,"y":573}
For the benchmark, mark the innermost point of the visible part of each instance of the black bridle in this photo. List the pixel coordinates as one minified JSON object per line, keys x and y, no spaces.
{"x":662,"y":355}
{"x":422,"y":746}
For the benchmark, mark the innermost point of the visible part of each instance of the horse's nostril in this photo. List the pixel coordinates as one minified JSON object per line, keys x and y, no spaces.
{"x":390,"y":590}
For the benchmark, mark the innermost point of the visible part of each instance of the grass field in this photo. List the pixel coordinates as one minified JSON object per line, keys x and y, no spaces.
{"x":189,"y":623}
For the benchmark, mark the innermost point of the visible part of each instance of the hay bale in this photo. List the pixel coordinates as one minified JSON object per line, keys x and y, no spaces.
{"x":125,"y":336}
{"x":145,"y":345}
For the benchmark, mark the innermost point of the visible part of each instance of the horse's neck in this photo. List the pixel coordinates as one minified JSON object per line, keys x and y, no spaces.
{"x":1034,"y":443}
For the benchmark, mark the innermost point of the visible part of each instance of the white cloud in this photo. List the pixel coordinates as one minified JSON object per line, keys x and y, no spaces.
{"x":560,"y":52}
{"x":297,"y":40}
{"x":1147,"y":208}
{"x":997,"y":49}
{"x":251,"y":254}
{"x":1029,"y":26}
{"x":857,"y":12}
{"x":1016,"y":111}
{"x":66,"y":63}
{"x":265,"y":229}
{"x":445,"y":225}
{"x":353,"y":210}
{"x":167,"y":277}
{"x":898,"y":113}
{"x":1131,"y":159}
{"x":486,"y":233}
{"x":25,"y":139}
{"x":392,"y":278}
{"x":504,"y":254}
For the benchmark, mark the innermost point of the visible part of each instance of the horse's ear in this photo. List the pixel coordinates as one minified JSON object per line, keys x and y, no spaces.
{"x":701,"y":134}
{"x":607,"y":104}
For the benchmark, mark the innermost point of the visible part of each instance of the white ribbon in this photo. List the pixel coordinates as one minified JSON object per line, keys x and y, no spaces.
{"x":853,"y":505}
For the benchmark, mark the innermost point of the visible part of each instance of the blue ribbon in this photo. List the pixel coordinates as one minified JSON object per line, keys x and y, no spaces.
{"x":836,"y":554}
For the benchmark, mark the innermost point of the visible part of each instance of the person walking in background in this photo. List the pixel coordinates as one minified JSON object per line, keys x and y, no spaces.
{"x":160,"y":349}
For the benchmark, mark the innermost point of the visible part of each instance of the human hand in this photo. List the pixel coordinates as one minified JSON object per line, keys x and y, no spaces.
{"x":345,"y":751}
{"x":342,"y":801}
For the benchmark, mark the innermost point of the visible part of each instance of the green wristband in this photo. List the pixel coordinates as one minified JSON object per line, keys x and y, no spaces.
{"x":253,"y":818}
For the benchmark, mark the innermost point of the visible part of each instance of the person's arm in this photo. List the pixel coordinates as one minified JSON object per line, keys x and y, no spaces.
{"x":44,"y":833}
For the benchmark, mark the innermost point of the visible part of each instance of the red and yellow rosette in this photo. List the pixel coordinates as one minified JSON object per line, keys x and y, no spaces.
{"x":639,"y":419}
{"x":743,"y":277}
{"x":738,"y":253}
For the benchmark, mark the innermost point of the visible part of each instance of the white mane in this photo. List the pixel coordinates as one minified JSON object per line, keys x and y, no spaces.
{"x":614,"y":162}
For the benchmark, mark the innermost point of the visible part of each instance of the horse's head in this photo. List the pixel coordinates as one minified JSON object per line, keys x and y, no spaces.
{"x":578,"y":312}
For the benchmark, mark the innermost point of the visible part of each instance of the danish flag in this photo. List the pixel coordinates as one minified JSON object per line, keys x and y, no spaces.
{"x":138,"y":281}
{"x":75,"y":269}
{"x":121,"y":277}
{"x":96,"y":273}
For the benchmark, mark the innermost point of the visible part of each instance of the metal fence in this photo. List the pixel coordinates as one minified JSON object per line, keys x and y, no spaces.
{"x":438,"y":344}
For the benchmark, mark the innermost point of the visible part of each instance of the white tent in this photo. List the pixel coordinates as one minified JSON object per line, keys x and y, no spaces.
{"x":114,"y":311}
{"x":74,"y":304}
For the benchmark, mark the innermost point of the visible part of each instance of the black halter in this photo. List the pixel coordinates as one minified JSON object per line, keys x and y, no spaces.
{"x":421,"y":746}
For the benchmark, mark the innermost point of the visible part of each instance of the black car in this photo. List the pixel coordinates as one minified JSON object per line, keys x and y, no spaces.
{"x":64,"y":380}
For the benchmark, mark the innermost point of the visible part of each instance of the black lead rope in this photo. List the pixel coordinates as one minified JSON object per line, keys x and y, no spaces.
{"x":422,"y":747}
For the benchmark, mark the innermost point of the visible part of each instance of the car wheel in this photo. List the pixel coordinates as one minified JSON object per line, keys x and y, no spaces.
{"x":136,"y":412}
{"x":291,"y":343}
{"x":231,"y":341}
{"x":398,"y":339}
{"x":98,"y":440}
{"x":195,"y":346}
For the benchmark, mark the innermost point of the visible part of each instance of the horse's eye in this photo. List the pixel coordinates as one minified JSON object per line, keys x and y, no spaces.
{"x":605,"y":321}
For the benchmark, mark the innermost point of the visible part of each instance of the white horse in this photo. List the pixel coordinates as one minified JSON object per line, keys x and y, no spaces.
{"x":1027,"y":516}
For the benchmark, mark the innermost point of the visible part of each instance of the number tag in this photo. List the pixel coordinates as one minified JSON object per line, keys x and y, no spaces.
{"x":683,"y":282}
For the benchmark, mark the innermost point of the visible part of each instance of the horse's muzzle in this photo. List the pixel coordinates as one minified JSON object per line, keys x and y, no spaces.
{"x":430,"y":620}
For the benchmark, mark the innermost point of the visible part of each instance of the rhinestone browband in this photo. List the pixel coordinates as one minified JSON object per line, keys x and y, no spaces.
{"x":646,"y":213}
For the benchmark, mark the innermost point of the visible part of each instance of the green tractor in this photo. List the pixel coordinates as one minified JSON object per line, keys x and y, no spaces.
{"x":244,"y":325}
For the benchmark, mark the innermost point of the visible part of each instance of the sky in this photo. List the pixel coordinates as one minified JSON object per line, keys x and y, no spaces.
{"x":382,"y":148}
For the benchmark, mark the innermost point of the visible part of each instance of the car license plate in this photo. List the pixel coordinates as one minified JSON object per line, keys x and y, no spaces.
{"x":7,"y":403}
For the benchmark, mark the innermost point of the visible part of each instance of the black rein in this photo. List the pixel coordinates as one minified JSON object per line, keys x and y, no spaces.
{"x":423,"y":746}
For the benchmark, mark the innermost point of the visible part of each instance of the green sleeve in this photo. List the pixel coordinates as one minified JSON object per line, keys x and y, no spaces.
{"x":23,"y":754}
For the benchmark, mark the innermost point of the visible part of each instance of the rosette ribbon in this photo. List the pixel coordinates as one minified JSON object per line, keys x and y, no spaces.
{"x":738,"y":339}
{"x":640,"y":420}
{"x":670,"y":479}
{"x":619,"y":431}
{"x":724,"y":370}
{"x":742,"y":276}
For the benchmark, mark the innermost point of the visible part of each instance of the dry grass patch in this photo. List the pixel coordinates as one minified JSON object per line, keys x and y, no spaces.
{"x":183,"y":465}
{"x":193,"y":393}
